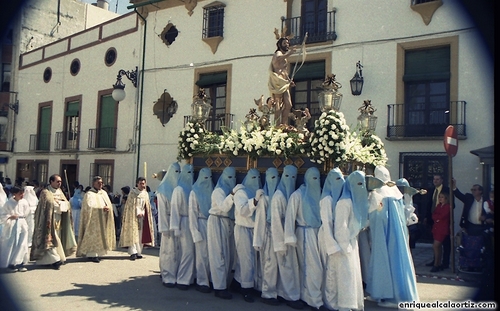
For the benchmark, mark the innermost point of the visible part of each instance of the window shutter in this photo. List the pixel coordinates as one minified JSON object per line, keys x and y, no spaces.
{"x":311,"y":70}
{"x":211,"y":79}
{"x":430,"y":64}
{"x":73,"y":109}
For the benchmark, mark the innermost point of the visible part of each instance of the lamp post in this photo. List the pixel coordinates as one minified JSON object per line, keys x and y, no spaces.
{"x":357,"y":81}
{"x":329,"y":98}
{"x":119,"y":87}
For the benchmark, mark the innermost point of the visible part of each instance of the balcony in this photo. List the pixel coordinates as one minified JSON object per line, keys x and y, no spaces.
{"x":403,"y":124}
{"x":40,"y":142}
{"x":223,"y":120}
{"x":67,"y":140}
{"x":319,"y":28}
{"x":102,"y":138}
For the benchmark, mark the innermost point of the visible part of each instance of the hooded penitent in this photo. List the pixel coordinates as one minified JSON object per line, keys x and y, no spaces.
{"x":333,"y":186}
{"x":355,"y":189}
{"x":203,"y":188}
{"x":310,"y":199}
{"x":227,"y":180}
{"x":186,"y":178}
{"x":272,"y":181}
{"x":169,"y":181}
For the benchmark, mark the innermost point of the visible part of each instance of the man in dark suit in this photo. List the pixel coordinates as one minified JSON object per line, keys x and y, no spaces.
{"x":432,"y":202}
{"x":473,"y":214}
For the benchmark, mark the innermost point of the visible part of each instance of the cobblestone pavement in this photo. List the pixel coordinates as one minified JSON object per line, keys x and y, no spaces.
{"x":120,"y":284}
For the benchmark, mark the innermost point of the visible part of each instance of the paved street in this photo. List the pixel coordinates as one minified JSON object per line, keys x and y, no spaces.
{"x":120,"y":284}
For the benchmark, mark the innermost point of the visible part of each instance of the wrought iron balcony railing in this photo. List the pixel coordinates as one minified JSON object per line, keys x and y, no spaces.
{"x":215,"y":125}
{"x":40,"y":142}
{"x":102,"y":138}
{"x":405,"y":123}
{"x":67,"y":140}
{"x":319,"y":28}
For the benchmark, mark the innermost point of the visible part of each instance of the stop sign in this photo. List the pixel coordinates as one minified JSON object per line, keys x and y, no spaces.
{"x":450,"y":141}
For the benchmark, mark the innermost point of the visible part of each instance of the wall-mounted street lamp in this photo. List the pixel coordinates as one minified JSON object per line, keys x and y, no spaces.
{"x":14,"y":106}
{"x":357,"y":80}
{"x":119,"y":87}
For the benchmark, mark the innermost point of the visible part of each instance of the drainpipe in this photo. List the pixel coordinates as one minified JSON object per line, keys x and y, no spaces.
{"x":141,"y":99}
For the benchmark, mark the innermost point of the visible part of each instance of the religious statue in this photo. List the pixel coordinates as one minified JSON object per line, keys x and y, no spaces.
{"x":279,"y":82}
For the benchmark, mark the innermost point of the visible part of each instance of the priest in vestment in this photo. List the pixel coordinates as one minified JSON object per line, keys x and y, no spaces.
{"x":53,"y":236}
{"x":137,"y":222}
{"x":97,"y":230}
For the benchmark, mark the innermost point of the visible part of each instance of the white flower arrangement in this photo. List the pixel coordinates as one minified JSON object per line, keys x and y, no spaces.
{"x":328,"y":140}
{"x":331,"y":140}
{"x":191,"y":140}
{"x":366,"y":148}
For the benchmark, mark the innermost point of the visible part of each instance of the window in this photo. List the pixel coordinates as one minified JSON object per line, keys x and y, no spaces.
{"x":75,"y":67}
{"x":427,"y":91}
{"x":41,"y":171}
{"x":44,"y":127}
{"x":308,"y":82}
{"x":110,"y":57}
{"x":106,"y":130}
{"x":213,"y":20}
{"x":414,"y":2}
{"x":47,"y":74}
{"x":314,"y":18}
{"x":103,"y":168}
{"x":215,"y":85}
{"x":71,"y":124}
{"x":6,"y":69}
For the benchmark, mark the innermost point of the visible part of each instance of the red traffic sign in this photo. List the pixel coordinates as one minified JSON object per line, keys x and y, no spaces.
{"x":450,"y":141}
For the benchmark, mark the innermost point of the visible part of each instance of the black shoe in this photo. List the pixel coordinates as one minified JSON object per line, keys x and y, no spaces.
{"x":430,"y":264}
{"x":248,"y":298}
{"x":444,"y":267}
{"x":182,"y":287}
{"x":203,"y":289}
{"x":139,"y":256}
{"x":435,"y":269}
{"x":95,"y":259}
{"x":133,"y":257}
{"x":13,"y":268}
{"x":56,"y":265}
{"x":297,"y":304}
{"x":223,"y":293}
{"x":270,"y":301}
{"x":169,"y":285}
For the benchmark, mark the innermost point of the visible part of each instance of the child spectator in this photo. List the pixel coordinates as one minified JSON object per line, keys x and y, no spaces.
{"x":14,"y":239}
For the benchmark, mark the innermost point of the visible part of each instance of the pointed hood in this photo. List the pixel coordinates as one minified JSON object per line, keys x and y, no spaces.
{"x":227,"y":180}
{"x":311,"y":195}
{"x":252,"y":182}
{"x":186,"y":179}
{"x":355,"y":189}
{"x":272,"y":181}
{"x":203,"y":188}
{"x":169,"y":181}
{"x":30,"y":195}
{"x":288,"y":181}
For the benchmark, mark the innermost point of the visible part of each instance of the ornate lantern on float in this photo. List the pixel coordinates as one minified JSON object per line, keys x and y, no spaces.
{"x":200,"y":109}
{"x":329,"y":98}
{"x":366,"y":120}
